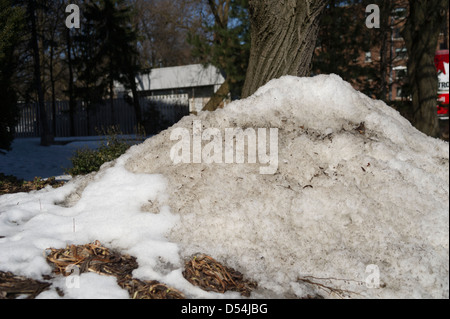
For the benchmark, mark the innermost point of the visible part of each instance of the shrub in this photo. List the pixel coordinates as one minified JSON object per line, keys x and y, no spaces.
{"x":87,"y":160}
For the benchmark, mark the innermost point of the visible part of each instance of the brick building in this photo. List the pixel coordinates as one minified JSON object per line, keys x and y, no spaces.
{"x":396,"y":53}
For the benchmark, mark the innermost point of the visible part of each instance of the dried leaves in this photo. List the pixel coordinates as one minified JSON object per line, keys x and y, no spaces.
{"x":96,"y":258}
{"x":201,"y":270}
{"x":91,"y":257}
{"x":12,"y":286}
{"x":139,"y":289}
{"x":205,"y":272}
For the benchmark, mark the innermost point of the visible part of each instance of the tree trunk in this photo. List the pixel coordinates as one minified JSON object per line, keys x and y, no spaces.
{"x":52,"y":81}
{"x":283,"y":38}
{"x":218,"y":97}
{"x":46,"y":136}
{"x":421,"y":36}
{"x":111,"y":101}
{"x":72,"y":102}
{"x":136,"y":103}
{"x":385,"y":44}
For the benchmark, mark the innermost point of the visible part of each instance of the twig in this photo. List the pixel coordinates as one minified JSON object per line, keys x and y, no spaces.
{"x":342,"y":293}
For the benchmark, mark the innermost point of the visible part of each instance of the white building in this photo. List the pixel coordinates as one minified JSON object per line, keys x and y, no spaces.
{"x":199,"y":83}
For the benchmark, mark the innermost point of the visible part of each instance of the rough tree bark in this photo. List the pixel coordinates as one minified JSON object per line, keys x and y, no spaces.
{"x":421,"y":35}
{"x":283,"y":38}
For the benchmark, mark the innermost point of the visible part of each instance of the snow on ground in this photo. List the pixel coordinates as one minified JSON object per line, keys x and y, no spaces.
{"x":28,"y":159}
{"x":359,"y":198}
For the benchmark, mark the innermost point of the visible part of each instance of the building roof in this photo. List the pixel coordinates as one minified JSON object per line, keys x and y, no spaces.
{"x":186,"y":76}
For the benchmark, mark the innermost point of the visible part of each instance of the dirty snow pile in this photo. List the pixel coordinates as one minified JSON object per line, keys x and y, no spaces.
{"x":358,"y":202}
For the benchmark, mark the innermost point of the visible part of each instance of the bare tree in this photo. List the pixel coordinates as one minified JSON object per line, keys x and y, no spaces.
{"x":283,"y":38}
{"x":164,"y":26}
{"x":52,"y":22}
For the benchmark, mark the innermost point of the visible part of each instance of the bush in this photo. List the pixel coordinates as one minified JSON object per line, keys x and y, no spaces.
{"x":87,"y":160}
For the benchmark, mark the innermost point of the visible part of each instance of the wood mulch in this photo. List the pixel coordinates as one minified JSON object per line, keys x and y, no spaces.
{"x":201,"y":270}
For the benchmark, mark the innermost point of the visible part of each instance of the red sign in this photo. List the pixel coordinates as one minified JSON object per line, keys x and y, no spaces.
{"x":440,"y":58}
{"x":441,"y":62}
{"x":443,"y":98}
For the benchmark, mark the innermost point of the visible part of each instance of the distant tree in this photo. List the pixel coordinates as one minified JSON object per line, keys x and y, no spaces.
{"x":70,"y":80}
{"x":107,"y":51}
{"x":53,"y":33}
{"x":109,"y":17}
{"x":11,"y":26}
{"x":421,"y":35}
{"x":283,"y":38}
{"x":225,"y":43}
{"x":130,"y":67}
{"x":45,"y":132}
{"x":163,"y":27}
{"x":50,"y":34}
{"x":84,"y":65}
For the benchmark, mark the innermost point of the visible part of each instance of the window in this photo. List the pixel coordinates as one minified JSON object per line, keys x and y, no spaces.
{"x":400,"y":74}
{"x":401,"y":53}
{"x":399,"y":13}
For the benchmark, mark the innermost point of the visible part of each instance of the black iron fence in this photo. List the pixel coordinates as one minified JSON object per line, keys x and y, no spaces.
{"x":164,"y":110}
